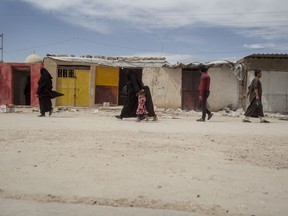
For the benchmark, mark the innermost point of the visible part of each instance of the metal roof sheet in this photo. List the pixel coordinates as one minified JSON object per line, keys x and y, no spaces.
{"x":114,"y":61}
{"x":262,"y":55}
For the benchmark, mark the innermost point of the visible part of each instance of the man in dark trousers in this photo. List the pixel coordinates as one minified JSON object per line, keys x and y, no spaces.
{"x":204,"y":93}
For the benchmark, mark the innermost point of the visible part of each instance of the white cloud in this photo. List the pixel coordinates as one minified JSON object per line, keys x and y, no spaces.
{"x":179,"y":58}
{"x":262,"y":21}
{"x":273,"y":33}
{"x":259,"y":46}
{"x":254,"y":46}
{"x":172,"y":14}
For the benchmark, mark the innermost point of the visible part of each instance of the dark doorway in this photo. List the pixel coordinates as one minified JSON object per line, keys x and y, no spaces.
{"x":21,"y":86}
{"x":190,"y":91}
{"x":123,"y":80}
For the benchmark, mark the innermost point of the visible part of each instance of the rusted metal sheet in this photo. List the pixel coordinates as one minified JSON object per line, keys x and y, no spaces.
{"x":106,"y":94}
{"x":190,"y":91}
{"x":189,"y":100}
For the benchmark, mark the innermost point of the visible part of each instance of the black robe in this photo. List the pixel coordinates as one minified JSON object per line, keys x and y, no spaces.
{"x":45,"y":92}
{"x":134,"y":85}
{"x":149,"y":102}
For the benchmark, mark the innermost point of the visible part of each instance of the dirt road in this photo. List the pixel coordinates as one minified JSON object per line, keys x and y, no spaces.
{"x":219,"y":167}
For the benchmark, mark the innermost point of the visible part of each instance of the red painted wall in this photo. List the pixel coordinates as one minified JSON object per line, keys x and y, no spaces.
{"x":35,"y":75}
{"x":6,"y":81}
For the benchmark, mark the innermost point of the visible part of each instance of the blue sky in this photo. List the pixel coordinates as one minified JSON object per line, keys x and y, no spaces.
{"x":180,"y":30}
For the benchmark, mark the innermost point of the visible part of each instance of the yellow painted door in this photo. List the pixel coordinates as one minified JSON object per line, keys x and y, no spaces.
{"x":82,"y":87}
{"x":75,"y":85}
{"x":66,"y":85}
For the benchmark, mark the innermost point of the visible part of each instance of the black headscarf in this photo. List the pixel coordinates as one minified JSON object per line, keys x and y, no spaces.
{"x":134,"y":83}
{"x":44,"y":83}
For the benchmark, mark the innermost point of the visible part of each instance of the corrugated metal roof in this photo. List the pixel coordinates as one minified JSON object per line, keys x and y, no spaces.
{"x":195,"y":65}
{"x":114,"y":61}
{"x":154,"y":61}
{"x":262,"y":55}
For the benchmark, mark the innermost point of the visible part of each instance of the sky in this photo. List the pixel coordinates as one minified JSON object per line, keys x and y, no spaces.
{"x":179,"y":30}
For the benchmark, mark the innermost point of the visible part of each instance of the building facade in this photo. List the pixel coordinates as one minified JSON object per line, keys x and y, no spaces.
{"x":90,"y":81}
{"x":19,"y":82}
{"x":274,"y":80}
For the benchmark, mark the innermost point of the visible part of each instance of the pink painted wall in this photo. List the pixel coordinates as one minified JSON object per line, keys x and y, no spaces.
{"x":35,"y":75}
{"x":6,"y":81}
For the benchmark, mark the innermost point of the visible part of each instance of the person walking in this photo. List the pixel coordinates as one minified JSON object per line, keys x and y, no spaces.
{"x":134,"y":85}
{"x":141,"y":109}
{"x":45,"y":92}
{"x":255,"y":109}
{"x":204,"y":93}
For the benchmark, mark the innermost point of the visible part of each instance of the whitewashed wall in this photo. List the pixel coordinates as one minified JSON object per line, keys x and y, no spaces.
{"x":224,"y":88}
{"x":275,"y":90}
{"x":165,"y":86}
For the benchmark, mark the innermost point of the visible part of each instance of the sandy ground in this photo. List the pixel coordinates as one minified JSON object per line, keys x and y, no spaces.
{"x":88,"y":157}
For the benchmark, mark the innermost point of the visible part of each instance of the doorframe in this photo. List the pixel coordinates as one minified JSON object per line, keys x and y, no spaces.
{"x":19,"y":80}
{"x":190,"y":89}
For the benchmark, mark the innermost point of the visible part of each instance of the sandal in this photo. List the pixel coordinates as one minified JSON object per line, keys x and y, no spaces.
{"x":264,"y":121}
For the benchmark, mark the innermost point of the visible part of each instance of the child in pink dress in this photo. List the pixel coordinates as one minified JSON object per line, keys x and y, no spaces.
{"x":141,"y":109}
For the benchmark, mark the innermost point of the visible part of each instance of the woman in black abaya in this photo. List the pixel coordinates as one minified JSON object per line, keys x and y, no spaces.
{"x":134,"y":85}
{"x":45,"y":93}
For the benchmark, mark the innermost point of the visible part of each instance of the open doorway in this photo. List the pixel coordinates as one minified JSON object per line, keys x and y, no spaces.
{"x":21,"y":86}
